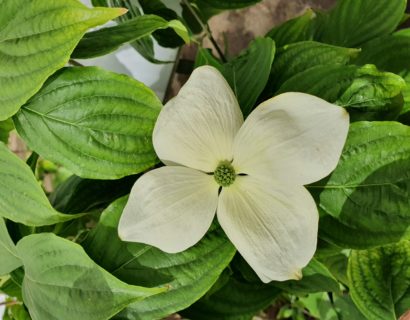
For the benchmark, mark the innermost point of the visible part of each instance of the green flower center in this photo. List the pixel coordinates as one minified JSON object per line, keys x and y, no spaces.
{"x":224,"y":174}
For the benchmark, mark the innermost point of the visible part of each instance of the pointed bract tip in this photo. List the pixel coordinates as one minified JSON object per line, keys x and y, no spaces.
{"x":297,"y":275}
{"x":122,"y":11}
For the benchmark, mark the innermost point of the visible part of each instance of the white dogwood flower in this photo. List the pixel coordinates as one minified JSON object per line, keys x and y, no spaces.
{"x":250,"y":174}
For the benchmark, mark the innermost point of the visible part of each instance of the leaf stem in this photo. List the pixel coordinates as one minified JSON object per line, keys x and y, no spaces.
{"x":75,"y":63}
{"x":206,"y":29}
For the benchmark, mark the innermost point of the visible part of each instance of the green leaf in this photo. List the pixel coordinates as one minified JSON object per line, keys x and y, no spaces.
{"x":189,"y":274}
{"x":170,"y":38}
{"x":337,"y":265}
{"x":16,"y":312}
{"x":96,"y":123}
{"x":205,"y":57}
{"x":62,"y":282}
{"x":235,"y":299}
{"x":248,"y":73}
{"x":5,"y":127}
{"x":365,"y":92}
{"x":353,"y":22}
{"x":229,"y":4}
{"x":8,"y":253}
{"x":21,"y":197}
{"x":298,"y":57}
{"x":298,"y":29}
{"x":365,"y":202}
{"x":391,"y":53}
{"x":106,"y":40}
{"x":36,"y":39}
{"x":321,"y":307}
{"x":316,"y":278}
{"x":380,"y":281}
{"x":77,"y":195}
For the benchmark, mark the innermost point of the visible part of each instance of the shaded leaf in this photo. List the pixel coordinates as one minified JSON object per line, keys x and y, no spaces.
{"x":380,"y":281}
{"x":189,"y":274}
{"x":109,"y":39}
{"x":365,"y":202}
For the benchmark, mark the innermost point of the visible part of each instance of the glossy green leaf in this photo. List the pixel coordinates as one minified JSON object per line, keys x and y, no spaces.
{"x":8,"y":253}
{"x":205,"y":57}
{"x":5,"y":127}
{"x":108,"y":39}
{"x":96,"y":123}
{"x":189,"y":274}
{"x":248,"y":73}
{"x":298,"y":57}
{"x":229,"y":4}
{"x":21,"y":197}
{"x":380,"y":281}
{"x":353,"y":22}
{"x":36,"y":39}
{"x":365,"y":92}
{"x":366,"y":201}
{"x":391,"y":53}
{"x":170,"y":38}
{"x":233,"y":299}
{"x":294,"y":30}
{"x":62,"y":282}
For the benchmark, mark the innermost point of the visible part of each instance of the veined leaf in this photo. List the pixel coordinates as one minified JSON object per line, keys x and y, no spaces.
{"x":397,"y":60}
{"x":353,"y":22}
{"x":366,"y":200}
{"x":108,"y":39}
{"x":229,"y":4}
{"x":298,"y":29}
{"x":21,"y":197}
{"x":169,"y":38}
{"x":62,"y":282}
{"x":189,"y":274}
{"x":316,"y":278}
{"x":77,"y":195}
{"x":380,"y":281}
{"x":232,"y":299}
{"x":298,"y":57}
{"x":96,"y":123}
{"x":8,"y":253}
{"x":205,"y":57}
{"x":365,"y":92}
{"x":248,"y":73}
{"x":36,"y":39}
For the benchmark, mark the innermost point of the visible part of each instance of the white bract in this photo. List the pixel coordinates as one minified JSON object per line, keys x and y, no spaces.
{"x":250,"y":174}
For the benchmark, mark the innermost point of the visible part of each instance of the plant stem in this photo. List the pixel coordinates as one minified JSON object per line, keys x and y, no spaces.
{"x":205,"y":28}
{"x":9,"y":303}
